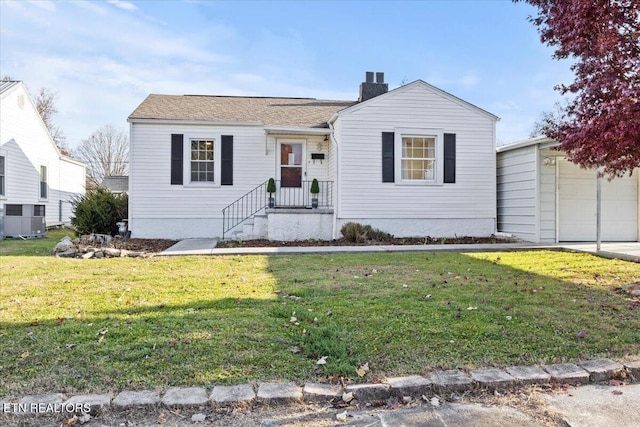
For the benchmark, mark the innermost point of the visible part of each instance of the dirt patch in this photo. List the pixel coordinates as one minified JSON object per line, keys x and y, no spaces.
{"x":144,"y":245}
{"x":342,"y":242}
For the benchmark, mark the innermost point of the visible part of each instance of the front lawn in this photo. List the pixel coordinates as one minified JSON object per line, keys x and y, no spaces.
{"x":105,"y":325}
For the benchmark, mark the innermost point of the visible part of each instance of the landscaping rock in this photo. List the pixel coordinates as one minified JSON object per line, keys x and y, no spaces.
{"x":413,"y":385}
{"x":321,"y":392}
{"x":98,"y":254}
{"x":369,"y":392}
{"x":63,"y":245}
{"x":67,"y":254}
{"x":567,"y":373}
{"x":88,"y":255}
{"x":133,"y":254}
{"x":234,"y":394}
{"x":602,"y":369}
{"x":634,"y":368}
{"x":136,"y":399}
{"x":450,"y":381}
{"x":37,"y":402}
{"x":279,"y":392}
{"x":124,"y":253}
{"x":111,"y":252}
{"x":95,"y":401}
{"x":492,"y":378}
{"x":528,"y":374}
{"x":181,"y":397}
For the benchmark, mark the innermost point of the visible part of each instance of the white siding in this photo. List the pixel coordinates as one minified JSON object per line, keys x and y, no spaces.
{"x":516,"y":193}
{"x":547,"y":193}
{"x":193,"y":211}
{"x":27,"y":145}
{"x":362,"y":193}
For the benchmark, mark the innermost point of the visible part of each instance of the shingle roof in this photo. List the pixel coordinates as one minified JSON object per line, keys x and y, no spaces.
{"x":7,"y":84}
{"x":294,"y":112}
{"x":116,"y":184}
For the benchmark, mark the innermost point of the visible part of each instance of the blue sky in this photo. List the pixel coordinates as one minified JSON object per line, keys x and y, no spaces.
{"x":104,"y":57}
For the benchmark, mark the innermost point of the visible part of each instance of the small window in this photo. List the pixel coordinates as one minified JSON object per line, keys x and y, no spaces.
{"x":43,"y":182}
{"x":202,"y":160}
{"x":13,"y":210}
{"x":2,"y":176}
{"x":38,"y":210}
{"x":418,"y":161}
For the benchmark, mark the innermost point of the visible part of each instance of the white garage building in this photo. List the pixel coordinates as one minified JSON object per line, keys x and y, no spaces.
{"x":544,"y":198}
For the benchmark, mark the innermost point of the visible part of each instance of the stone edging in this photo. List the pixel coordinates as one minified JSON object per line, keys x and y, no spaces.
{"x":281,"y":393}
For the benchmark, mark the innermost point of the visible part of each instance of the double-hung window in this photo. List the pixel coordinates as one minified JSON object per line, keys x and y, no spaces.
{"x":202,"y":160}
{"x":2,"y":177}
{"x":43,"y":182}
{"x":418,"y":160}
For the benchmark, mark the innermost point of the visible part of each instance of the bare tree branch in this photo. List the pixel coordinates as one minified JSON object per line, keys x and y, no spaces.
{"x":106,"y":153}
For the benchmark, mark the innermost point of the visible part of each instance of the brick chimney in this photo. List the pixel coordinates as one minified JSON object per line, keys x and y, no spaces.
{"x":369,"y":89}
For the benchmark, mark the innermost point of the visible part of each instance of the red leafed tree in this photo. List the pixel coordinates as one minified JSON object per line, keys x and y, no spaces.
{"x":600,"y":126}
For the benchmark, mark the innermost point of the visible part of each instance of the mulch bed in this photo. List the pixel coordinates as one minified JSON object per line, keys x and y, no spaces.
{"x":262,"y":243}
{"x":144,"y":245}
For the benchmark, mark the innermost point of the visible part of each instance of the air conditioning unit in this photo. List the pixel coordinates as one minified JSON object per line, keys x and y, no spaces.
{"x":24,"y":220}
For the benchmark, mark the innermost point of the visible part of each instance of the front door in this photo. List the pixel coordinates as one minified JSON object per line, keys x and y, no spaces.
{"x":291,"y":173}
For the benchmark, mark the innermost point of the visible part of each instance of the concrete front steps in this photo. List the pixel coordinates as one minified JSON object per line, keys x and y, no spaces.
{"x":286,"y":225}
{"x":436,"y":383}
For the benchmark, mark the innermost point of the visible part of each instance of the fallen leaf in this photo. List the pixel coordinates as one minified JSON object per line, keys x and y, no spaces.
{"x":341,"y":416}
{"x":615,"y":383}
{"x":322,"y":361}
{"x":59,"y":320}
{"x":456,"y":314}
{"x":616,"y":392}
{"x":472,"y":308}
{"x":35,"y":323}
{"x":70,"y":345}
{"x":363,"y":370}
{"x":101,"y":339}
{"x":162,"y":419}
{"x":347,"y":397}
{"x":103,"y":331}
{"x":435,"y":401}
{"x":71,"y":421}
{"x":581,"y":334}
{"x":508,"y":317}
{"x":25,"y":355}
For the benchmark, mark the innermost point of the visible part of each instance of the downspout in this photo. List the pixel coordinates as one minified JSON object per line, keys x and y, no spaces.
{"x":336,"y":208}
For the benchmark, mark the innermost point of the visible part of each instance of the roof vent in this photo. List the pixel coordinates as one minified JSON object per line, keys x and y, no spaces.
{"x":369,"y":89}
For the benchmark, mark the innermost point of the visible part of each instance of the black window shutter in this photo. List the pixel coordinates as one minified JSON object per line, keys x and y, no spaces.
{"x":388,"y":173}
{"x":449,"y":158}
{"x":177,"y":155}
{"x":226,"y":165}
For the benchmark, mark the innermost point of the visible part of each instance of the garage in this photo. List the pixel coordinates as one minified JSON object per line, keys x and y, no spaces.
{"x":577,"y":206}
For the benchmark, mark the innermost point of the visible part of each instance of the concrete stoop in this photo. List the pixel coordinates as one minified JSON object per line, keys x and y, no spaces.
{"x":436,"y":383}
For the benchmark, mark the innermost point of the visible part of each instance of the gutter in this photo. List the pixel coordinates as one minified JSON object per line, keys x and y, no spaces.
{"x":336,"y":208}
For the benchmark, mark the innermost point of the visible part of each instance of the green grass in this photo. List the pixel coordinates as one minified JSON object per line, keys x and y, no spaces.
{"x":94,"y":325}
{"x":34,"y":247}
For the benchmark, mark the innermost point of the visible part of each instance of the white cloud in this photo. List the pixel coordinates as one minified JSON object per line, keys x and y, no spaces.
{"x":124,"y":5}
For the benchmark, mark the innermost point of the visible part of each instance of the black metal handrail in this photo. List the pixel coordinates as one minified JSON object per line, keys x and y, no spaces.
{"x":257,"y":199}
{"x":244,"y":208}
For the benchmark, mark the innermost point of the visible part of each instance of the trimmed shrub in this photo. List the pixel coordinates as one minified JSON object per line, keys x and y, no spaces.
{"x":98,"y":211}
{"x":358,"y":233}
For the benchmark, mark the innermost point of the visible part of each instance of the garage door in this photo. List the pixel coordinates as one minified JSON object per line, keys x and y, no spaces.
{"x":577,"y":206}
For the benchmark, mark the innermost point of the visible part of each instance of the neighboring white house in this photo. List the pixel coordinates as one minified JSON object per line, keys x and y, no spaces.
{"x":36,"y":180}
{"x":542,"y":197}
{"x":414,"y":161}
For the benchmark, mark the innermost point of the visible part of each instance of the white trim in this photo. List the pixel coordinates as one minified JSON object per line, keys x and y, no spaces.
{"x":186,"y":162}
{"x":71,"y":160}
{"x":424,"y":85}
{"x":438,"y":134}
{"x":195,"y":122}
{"x":527,"y":143}
{"x":278,"y":130}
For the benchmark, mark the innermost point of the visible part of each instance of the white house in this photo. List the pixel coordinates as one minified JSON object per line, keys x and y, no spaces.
{"x":542,"y":197}
{"x":414,"y":161}
{"x":36,"y":180}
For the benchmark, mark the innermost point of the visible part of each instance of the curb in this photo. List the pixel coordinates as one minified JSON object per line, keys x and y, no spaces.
{"x":436,"y":383}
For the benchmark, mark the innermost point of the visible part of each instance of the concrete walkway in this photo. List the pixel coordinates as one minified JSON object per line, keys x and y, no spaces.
{"x":629,"y":251}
